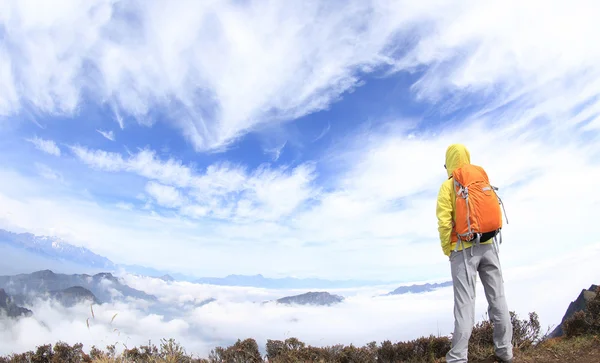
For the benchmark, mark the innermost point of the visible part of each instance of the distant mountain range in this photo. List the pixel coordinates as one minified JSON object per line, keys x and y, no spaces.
{"x":42,"y":252}
{"x":323,"y":298}
{"x":68,"y":297}
{"x":103,"y":287}
{"x":153,"y":272}
{"x":167,"y":278}
{"x":416,"y":289}
{"x":320,"y":298}
{"x":56,"y":249}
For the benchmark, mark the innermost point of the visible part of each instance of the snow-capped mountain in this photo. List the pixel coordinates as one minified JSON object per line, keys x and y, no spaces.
{"x":55,"y":248}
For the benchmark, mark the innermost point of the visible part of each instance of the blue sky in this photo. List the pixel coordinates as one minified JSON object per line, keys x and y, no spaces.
{"x":265,"y":137}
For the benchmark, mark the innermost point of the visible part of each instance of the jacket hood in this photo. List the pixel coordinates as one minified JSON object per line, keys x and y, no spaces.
{"x":457,"y":155}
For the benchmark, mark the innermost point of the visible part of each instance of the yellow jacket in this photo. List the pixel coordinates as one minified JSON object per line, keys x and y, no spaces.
{"x":457,"y":155}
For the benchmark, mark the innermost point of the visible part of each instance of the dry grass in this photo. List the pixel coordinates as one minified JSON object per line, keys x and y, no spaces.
{"x":574,"y":350}
{"x":529,"y":347}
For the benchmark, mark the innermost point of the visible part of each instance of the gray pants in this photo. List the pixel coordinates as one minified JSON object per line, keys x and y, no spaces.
{"x":484,"y":260}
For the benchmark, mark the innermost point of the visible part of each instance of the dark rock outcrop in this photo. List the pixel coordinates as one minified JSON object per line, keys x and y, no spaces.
{"x":579,"y":304}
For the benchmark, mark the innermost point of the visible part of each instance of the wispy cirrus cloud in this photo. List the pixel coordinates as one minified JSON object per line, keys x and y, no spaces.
{"x":109,"y":135}
{"x":205,"y":62}
{"x":47,"y":146}
{"x":48,"y":173}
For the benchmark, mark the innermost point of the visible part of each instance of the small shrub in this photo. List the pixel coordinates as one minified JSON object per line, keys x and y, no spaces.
{"x":387,"y":352}
{"x":481,"y":343}
{"x":63,"y":352}
{"x":576,"y":325}
{"x":526,"y":333}
{"x":275,"y":348}
{"x":586,"y":321}
{"x":96,"y":353}
{"x":432,"y":349}
{"x":43,"y":354}
{"x":144,"y":353}
{"x":172,"y":352}
{"x":241,"y":352}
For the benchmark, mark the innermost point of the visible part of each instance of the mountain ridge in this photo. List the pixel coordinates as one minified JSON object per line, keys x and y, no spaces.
{"x":8,"y":306}
{"x":55,"y":248}
{"x":320,"y":298}
{"x":419,"y":288}
{"x":103,"y":286}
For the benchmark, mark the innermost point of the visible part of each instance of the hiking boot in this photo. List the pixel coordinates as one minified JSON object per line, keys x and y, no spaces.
{"x":498,"y":360}
{"x":495,"y":359}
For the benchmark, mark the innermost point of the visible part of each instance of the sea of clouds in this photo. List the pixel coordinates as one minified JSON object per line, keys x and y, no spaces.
{"x":238,"y":313}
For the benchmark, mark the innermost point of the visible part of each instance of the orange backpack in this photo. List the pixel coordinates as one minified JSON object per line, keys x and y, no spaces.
{"x":478,"y":214}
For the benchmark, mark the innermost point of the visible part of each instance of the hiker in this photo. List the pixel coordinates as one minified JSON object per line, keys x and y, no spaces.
{"x":469,"y":222}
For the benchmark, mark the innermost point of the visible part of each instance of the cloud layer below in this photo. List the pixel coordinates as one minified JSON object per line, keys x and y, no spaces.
{"x":238,"y":312}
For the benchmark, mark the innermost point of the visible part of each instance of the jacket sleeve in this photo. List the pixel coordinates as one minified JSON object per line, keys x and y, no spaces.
{"x":444,"y":217}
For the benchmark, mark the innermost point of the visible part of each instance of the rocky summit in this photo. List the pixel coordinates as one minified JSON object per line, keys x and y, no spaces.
{"x":579,"y":304}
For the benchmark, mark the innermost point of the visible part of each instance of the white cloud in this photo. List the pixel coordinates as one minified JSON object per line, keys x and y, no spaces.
{"x":125,"y":206}
{"x":48,"y":173}
{"x":47,"y":146}
{"x":99,"y":159}
{"x":144,"y":163}
{"x":164,"y":195}
{"x":223,"y":190}
{"x":222,"y":68}
{"x":276,"y":151}
{"x":9,"y":101}
{"x":373,"y":205}
{"x":378,"y":212}
{"x":238,"y":313}
{"x":107,"y":134}
{"x":485,"y":48}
